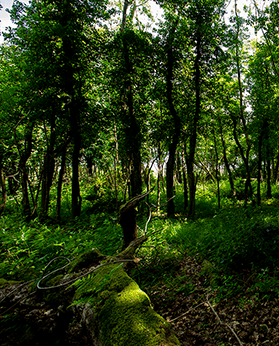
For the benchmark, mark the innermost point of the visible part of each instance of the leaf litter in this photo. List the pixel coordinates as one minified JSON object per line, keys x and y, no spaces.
{"x":201,"y":317}
{"x":197,"y":314}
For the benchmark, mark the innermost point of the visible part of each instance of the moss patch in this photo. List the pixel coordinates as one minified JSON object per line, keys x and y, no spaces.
{"x":5,"y":283}
{"x":86,"y":260}
{"x":123,"y":311}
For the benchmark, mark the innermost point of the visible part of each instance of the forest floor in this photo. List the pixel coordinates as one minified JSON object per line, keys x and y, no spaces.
{"x":198,"y":318}
{"x":188,"y":302}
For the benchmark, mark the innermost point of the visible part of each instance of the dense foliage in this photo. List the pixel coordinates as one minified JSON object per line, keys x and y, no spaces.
{"x":101,"y":91}
{"x":99,"y":101}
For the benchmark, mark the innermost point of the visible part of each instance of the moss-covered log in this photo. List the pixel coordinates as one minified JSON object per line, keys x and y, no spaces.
{"x":118,"y":313}
{"x":115,"y":310}
{"x":107,"y":306}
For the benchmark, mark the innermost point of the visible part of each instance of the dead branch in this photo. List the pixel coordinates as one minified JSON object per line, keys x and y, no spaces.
{"x":226,"y":324}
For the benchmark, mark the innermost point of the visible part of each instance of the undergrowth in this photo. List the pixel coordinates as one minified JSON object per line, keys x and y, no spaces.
{"x":26,"y":248}
{"x":240,"y":244}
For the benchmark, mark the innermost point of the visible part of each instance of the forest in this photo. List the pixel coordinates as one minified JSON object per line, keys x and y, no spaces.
{"x":105,"y":101}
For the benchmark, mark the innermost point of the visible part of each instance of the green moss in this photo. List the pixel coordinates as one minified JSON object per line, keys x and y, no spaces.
{"x":123,"y":310}
{"x":5,"y":283}
{"x":58,"y":294}
{"x":86,"y":260}
{"x":53,"y":281}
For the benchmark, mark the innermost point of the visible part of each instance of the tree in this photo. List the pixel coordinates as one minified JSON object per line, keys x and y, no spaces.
{"x":55,"y":44}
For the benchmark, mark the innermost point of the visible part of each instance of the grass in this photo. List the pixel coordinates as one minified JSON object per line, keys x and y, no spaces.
{"x":239,"y":243}
{"x":27,"y":248}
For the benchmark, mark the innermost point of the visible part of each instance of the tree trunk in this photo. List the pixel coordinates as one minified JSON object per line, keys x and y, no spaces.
{"x":268,"y":167}
{"x":48,"y":172}
{"x":169,"y":179}
{"x":226,"y":161}
{"x":193,"y":130}
{"x":245,"y":158}
{"x":76,"y":198}
{"x":248,"y":186}
{"x":185,"y":185}
{"x":127,"y":219}
{"x":177,"y":125}
{"x":259,"y":173}
{"x":275,"y":170}
{"x":59,"y":184}
{"x":217,"y":170}
{"x":3,"y":188}
{"x":24,"y":156}
{"x":132,"y":128}
{"x":159,"y":177}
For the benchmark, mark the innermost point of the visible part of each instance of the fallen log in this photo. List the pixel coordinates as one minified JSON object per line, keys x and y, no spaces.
{"x":107,"y":307}
{"x":115,"y":311}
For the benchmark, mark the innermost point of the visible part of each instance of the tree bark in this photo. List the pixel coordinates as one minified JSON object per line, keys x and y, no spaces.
{"x":177,"y":124}
{"x":259,"y":173}
{"x":3,"y":187}
{"x":193,"y":130}
{"x":59,"y":184}
{"x":184,"y":174}
{"x":48,"y":171}
{"x":159,"y":178}
{"x":76,"y":198}
{"x":24,"y":156}
{"x":248,"y":186}
{"x":226,"y":161}
{"x":217,"y":170}
{"x":127,"y":219}
{"x":268,"y":191}
{"x":132,"y":129}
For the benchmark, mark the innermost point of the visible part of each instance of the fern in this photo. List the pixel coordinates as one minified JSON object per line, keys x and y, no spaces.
{"x":87,"y":288}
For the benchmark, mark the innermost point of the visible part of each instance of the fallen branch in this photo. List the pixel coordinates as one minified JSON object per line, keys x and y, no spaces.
{"x":185,"y":313}
{"x":226,"y":324}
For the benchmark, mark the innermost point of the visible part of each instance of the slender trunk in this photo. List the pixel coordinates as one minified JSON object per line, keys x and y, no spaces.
{"x":48,"y":172}
{"x":268,"y":167}
{"x":89,"y":165}
{"x":193,"y":130}
{"x":245,"y":158}
{"x":159,"y":177}
{"x":116,"y":163}
{"x":132,"y":130}
{"x":24,"y":156}
{"x":73,"y":88}
{"x":178,"y":169}
{"x":169,"y":179}
{"x":275,"y":170}
{"x":184,"y":173}
{"x":217,"y":170}
{"x":177,"y":126}
{"x":248,"y":186}
{"x":59,"y":184}
{"x":259,"y":173}
{"x":76,"y":198}
{"x":268,"y":156}
{"x":226,"y":161}
{"x":148,"y":178}
{"x":3,"y":188}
